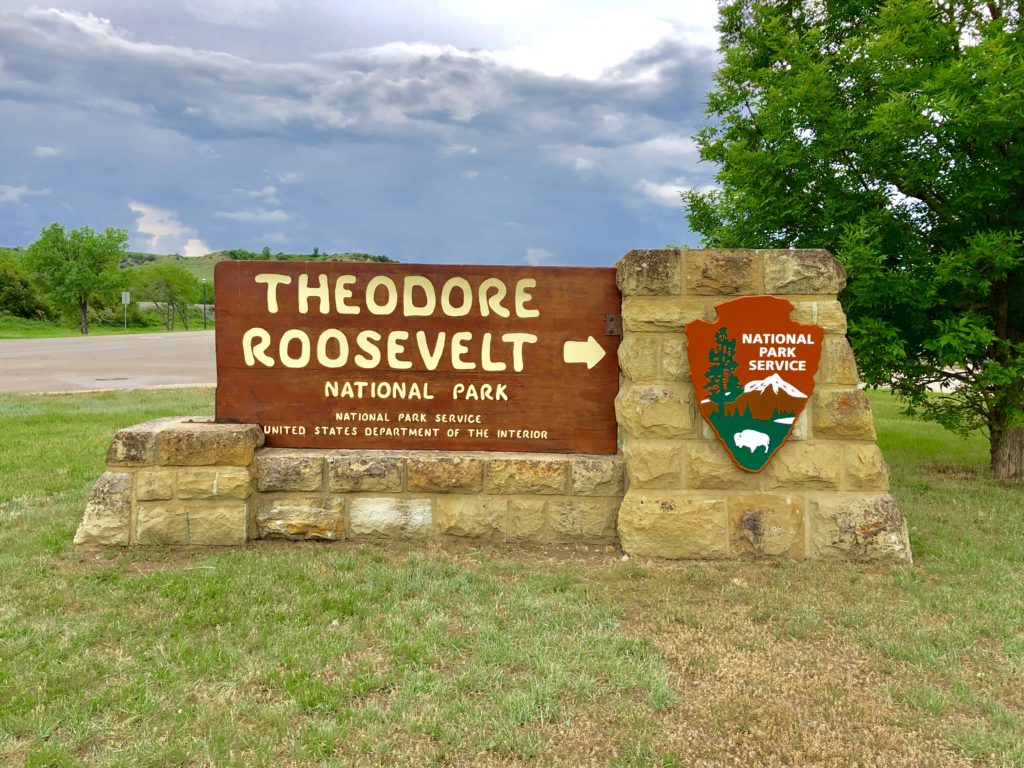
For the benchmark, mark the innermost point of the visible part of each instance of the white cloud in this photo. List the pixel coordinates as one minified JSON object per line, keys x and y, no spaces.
{"x":267,"y":194}
{"x":288,"y":177}
{"x":470,"y":175}
{"x":163,"y":233}
{"x":234,"y":13}
{"x":44,"y":152}
{"x":256,"y":216}
{"x":665,"y":194}
{"x":668,"y":193}
{"x":535,"y":257}
{"x":14,"y":195}
{"x":458,"y":149}
{"x":588,"y":48}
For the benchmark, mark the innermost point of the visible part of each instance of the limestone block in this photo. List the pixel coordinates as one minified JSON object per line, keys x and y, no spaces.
{"x":655,"y":410}
{"x":470,"y":516}
{"x":219,"y":523}
{"x":766,"y":525}
{"x":161,"y":522}
{"x":445,"y":473}
{"x":723,"y":272}
{"x":527,"y":475}
{"x":136,"y":445}
{"x":865,"y":468}
{"x":390,"y":517}
{"x":638,"y":356}
{"x":590,"y":520}
{"x":300,"y":517}
{"x":353,"y":471}
{"x":201,"y":442}
{"x":802,"y":271}
{"x":843,"y":415}
{"x":597,"y":476}
{"x":214,"y":483}
{"x":107,"y":517}
{"x":837,"y":365}
{"x":654,"y":463}
{"x":858,"y":527}
{"x":675,"y":363}
{"x":649,"y":272}
{"x":653,"y":314}
{"x":828,"y":314}
{"x":286,"y":469}
{"x":708,"y":466}
{"x":799,"y":431}
{"x":672,"y":526}
{"x":525,"y":520}
{"x":804,"y":465}
{"x":154,"y":484}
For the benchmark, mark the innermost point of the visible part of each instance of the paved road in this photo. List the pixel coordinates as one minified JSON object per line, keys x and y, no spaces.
{"x":107,"y":362}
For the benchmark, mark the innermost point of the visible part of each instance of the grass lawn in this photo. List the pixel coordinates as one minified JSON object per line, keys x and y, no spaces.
{"x":20,"y":328}
{"x":428,"y":654}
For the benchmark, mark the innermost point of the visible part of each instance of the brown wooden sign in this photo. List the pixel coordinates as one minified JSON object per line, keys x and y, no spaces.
{"x":403,"y":356}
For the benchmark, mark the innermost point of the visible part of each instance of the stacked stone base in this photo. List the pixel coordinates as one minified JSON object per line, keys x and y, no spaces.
{"x":192,"y":482}
{"x":824,"y":494}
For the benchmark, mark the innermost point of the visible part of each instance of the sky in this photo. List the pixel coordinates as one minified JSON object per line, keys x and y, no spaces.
{"x":530,"y":132}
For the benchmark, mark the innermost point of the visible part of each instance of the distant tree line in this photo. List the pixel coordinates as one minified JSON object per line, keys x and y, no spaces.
{"x":80,"y":273}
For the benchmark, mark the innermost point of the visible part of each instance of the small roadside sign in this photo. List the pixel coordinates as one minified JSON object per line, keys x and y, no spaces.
{"x":126,"y":297}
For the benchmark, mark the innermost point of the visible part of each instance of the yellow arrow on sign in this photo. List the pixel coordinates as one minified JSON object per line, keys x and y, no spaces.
{"x":589,"y":352}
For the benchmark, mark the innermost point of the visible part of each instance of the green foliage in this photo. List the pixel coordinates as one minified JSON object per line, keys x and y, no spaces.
{"x":76,"y":267}
{"x":721,"y":373}
{"x":18,"y":296}
{"x":172,"y":287}
{"x":240,"y":254}
{"x":888,"y":133}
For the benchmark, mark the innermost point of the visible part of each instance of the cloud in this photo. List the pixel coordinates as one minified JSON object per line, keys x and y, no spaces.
{"x":234,"y":13}
{"x":666,"y":194}
{"x":458,"y":149}
{"x":44,"y":152}
{"x":14,"y":195}
{"x":267,"y":194}
{"x":470,"y":175}
{"x":164,"y":233}
{"x":256,"y":216}
{"x":397,"y":87}
{"x":535,"y":257}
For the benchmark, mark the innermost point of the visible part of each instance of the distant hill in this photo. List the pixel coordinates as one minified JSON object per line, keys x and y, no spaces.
{"x":202,"y":266}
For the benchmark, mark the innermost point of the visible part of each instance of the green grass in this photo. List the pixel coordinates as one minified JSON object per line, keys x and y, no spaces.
{"x":421,"y":654}
{"x":21,"y":328}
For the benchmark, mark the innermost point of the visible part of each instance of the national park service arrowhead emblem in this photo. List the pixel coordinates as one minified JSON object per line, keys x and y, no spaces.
{"x":753,"y":372}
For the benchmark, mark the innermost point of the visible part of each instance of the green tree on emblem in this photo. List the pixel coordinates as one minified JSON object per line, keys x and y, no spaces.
{"x":721,"y":376}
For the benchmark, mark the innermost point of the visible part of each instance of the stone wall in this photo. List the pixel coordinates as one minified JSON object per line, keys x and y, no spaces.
{"x":190,"y":481}
{"x":825,"y":493}
{"x":673,"y":491}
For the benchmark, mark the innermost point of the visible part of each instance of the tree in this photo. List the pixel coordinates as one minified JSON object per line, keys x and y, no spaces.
{"x":889,"y":132}
{"x":721,"y":373}
{"x":76,"y":267}
{"x":172,"y":287}
{"x":18,"y":296}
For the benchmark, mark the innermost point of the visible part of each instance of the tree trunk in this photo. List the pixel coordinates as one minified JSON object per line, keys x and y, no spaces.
{"x":1008,"y":455}
{"x":83,"y":317}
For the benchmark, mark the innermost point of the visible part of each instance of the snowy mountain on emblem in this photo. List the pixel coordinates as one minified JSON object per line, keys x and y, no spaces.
{"x":776,"y":383}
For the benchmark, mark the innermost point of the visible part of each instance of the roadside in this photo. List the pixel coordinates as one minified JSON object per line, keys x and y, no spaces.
{"x":126,"y":361}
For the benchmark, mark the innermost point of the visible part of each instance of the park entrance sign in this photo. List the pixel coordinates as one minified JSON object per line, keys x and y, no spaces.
{"x":399,"y":356}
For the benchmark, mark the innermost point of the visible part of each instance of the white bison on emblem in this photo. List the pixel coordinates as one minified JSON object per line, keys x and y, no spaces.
{"x":752,"y":439}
